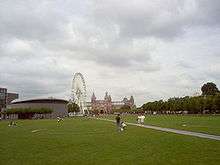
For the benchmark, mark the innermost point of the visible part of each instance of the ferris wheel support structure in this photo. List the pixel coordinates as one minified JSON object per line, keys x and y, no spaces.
{"x":79,"y":92}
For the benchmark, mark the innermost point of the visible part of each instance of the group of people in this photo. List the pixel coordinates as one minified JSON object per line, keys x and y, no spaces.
{"x":121,"y":125}
{"x":12,"y":123}
{"x":59,"y":119}
{"x":140,"y":119}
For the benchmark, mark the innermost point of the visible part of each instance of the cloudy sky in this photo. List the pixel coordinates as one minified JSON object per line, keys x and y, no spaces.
{"x":150,"y":49}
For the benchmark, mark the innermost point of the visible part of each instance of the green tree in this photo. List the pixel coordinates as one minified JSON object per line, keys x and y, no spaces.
{"x":193,"y":105}
{"x":73,"y":107}
{"x":209,"y":89}
{"x":208,"y":103}
{"x":125,"y":108}
{"x":28,"y":111}
{"x":216,"y":103}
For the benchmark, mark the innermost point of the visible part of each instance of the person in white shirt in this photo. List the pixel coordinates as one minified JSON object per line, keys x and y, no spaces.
{"x":142,"y":119}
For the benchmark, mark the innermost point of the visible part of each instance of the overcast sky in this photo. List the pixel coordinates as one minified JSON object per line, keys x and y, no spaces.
{"x":149,"y":49}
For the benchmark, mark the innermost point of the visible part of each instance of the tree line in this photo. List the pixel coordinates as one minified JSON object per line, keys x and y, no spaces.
{"x":28,"y":111}
{"x":191,"y":105}
{"x":208,"y":102}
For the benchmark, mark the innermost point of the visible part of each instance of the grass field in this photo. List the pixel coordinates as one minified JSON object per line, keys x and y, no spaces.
{"x":89,"y":141}
{"x":205,"y":124}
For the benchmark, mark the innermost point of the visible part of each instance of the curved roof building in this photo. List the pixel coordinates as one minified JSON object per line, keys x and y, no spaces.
{"x":58,"y":106}
{"x":42,"y":100}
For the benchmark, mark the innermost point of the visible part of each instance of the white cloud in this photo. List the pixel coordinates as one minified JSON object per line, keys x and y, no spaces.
{"x":151,"y":49}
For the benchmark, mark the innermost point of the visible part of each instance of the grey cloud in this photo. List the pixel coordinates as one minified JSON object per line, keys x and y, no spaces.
{"x":35,"y":79}
{"x":43,"y":42}
{"x":163,"y":19}
{"x":185,"y":65}
{"x":37,"y":20}
{"x":28,"y":21}
{"x":114,"y":53}
{"x":208,"y":13}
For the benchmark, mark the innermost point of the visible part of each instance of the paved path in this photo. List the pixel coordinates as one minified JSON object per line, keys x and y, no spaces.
{"x":196,"y":134}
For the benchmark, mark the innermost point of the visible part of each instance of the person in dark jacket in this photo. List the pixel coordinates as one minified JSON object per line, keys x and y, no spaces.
{"x":118,"y":122}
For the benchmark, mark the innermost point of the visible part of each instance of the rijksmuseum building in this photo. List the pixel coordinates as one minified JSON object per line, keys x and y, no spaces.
{"x":107,"y":105}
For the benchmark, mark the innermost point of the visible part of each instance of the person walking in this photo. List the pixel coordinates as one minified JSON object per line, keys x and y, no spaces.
{"x":142,"y":119}
{"x":118,"y":122}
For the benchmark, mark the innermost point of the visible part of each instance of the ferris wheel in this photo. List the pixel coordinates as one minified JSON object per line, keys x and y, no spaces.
{"x":79,"y":92}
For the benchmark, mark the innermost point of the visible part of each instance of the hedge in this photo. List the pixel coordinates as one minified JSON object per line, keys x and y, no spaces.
{"x":28,"y":110}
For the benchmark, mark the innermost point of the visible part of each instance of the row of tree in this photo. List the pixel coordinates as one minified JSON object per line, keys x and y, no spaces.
{"x":123,"y":109}
{"x":208,"y":102}
{"x":192,"y":105}
{"x":28,"y":111}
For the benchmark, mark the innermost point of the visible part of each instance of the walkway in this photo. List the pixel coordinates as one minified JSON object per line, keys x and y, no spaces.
{"x":196,"y":134}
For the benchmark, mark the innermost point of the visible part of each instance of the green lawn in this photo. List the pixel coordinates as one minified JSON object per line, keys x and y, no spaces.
{"x":205,"y":124}
{"x":89,"y":141}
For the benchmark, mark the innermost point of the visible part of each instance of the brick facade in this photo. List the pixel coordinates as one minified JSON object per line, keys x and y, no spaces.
{"x":107,"y":105}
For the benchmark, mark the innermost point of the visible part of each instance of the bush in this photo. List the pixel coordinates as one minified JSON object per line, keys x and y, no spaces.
{"x":192,"y":105}
{"x":73,"y":107}
{"x":28,"y":110}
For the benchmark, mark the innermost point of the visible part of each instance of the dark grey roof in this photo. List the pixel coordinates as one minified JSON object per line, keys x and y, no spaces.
{"x":48,"y":100}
